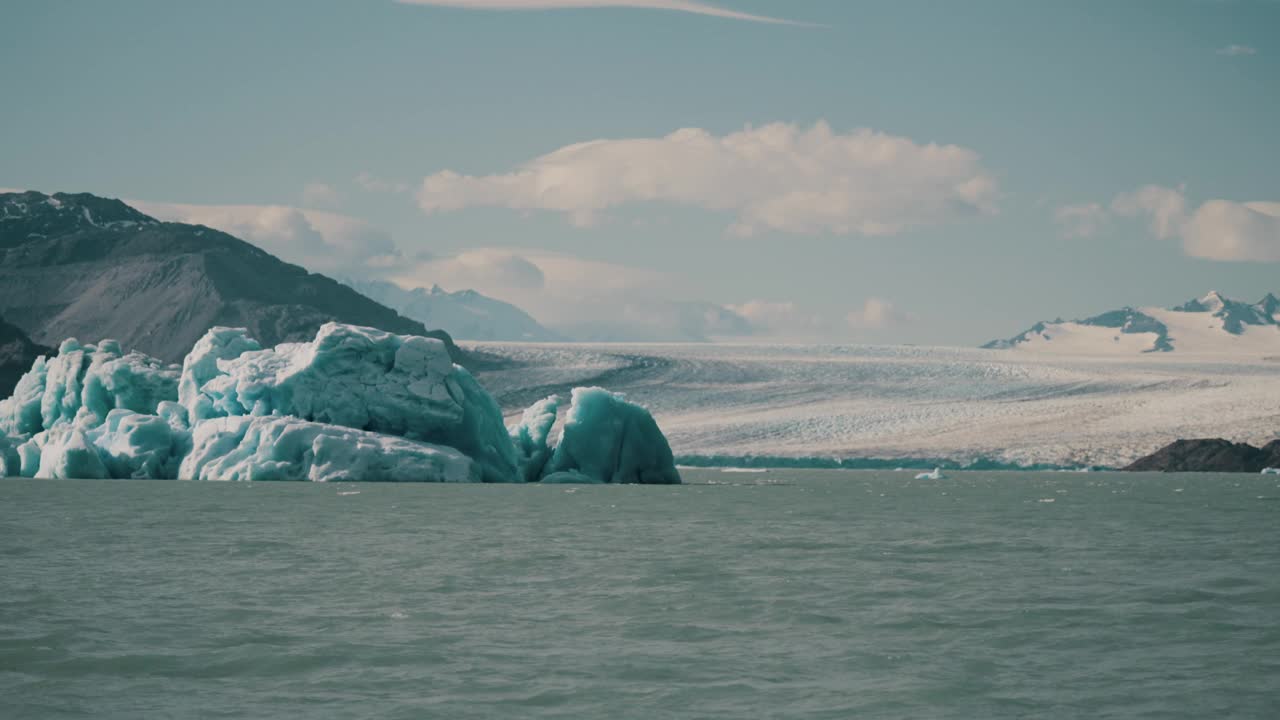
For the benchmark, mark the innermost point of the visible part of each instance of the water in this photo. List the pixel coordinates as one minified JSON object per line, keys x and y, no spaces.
{"x":790,"y":594}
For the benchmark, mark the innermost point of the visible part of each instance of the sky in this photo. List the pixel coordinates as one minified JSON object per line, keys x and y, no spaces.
{"x":832,"y":170}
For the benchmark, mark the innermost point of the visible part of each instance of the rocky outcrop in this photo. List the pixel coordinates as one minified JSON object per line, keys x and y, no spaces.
{"x":1210,"y":455}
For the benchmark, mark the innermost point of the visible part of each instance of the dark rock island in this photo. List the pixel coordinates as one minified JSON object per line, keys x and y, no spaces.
{"x":1210,"y":455}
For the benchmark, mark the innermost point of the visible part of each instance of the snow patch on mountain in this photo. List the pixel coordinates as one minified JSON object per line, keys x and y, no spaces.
{"x":1211,"y":324}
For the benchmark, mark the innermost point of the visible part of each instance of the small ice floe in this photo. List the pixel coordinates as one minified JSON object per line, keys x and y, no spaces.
{"x":349,"y":492}
{"x":935,"y":475}
{"x":1270,"y":471}
{"x":743,"y":470}
{"x":1046,"y":500}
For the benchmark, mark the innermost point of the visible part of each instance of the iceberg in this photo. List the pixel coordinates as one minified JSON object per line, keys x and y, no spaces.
{"x":609,"y":440}
{"x":531,"y":436}
{"x":353,"y":404}
{"x":285,"y":448}
{"x":354,"y":377}
{"x":936,"y":474}
{"x":82,"y":384}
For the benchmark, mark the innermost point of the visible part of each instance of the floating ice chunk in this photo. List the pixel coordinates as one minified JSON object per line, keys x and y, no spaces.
{"x":1270,"y":471}
{"x":531,"y":436}
{"x":283,"y":448}
{"x":358,"y":378}
{"x":935,"y":475}
{"x":610,"y":440}
{"x":81,"y":384}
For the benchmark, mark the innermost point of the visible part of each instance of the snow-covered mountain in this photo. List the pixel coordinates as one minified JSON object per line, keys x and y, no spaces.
{"x":465,"y":314}
{"x":1210,"y":324}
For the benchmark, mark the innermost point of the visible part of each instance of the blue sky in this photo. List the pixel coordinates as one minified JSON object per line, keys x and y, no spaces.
{"x":1099,"y":153}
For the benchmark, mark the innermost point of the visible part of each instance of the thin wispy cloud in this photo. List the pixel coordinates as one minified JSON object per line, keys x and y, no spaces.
{"x":688,"y":6}
{"x":1236,"y":50}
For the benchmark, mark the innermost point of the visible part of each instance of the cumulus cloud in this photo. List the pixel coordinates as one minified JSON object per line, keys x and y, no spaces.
{"x":319,"y":241}
{"x":320,"y":194}
{"x":1080,"y":221}
{"x":688,"y":6}
{"x":778,"y":177}
{"x":1225,"y":230}
{"x":1216,"y":230}
{"x":1235,"y":50}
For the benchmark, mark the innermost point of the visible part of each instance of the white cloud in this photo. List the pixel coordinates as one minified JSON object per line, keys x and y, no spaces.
{"x":1235,"y":50}
{"x":778,"y":177}
{"x":320,"y":194}
{"x":689,"y":6}
{"x":1217,"y":230}
{"x":1225,"y":230}
{"x":1080,"y":221}
{"x":319,"y":241}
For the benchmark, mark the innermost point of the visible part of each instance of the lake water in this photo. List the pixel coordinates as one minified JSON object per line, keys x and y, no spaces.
{"x":788,"y":594}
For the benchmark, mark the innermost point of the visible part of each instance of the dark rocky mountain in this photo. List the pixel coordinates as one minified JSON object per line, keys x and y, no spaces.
{"x":17,"y":352}
{"x":1210,"y":455}
{"x":78,"y":265}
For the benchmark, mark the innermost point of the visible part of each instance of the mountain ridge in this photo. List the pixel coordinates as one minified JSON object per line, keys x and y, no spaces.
{"x":464,"y":314}
{"x":79,"y":265}
{"x":1224,"y":325}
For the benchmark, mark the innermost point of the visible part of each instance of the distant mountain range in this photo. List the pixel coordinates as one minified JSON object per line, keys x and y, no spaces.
{"x":78,"y":265}
{"x":1210,"y":324}
{"x":465,"y":314}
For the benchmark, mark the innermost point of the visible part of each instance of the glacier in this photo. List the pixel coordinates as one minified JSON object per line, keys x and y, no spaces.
{"x":355,"y":403}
